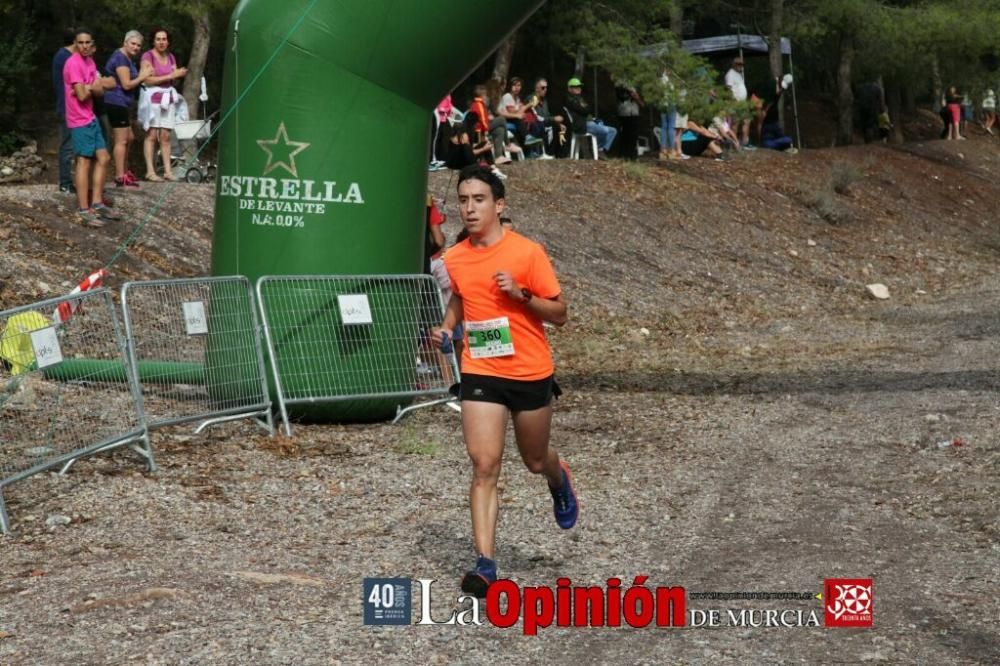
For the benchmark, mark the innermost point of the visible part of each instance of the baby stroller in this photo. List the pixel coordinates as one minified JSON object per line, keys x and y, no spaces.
{"x":193,"y":170}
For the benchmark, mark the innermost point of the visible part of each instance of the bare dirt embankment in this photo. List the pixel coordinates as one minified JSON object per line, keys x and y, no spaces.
{"x":739,"y":415}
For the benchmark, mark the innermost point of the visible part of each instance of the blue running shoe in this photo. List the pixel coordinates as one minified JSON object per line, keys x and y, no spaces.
{"x":479,"y":579}
{"x":564,"y":502}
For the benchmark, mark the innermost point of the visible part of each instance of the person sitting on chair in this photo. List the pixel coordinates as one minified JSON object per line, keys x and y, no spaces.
{"x":579,"y":110}
{"x":488,"y":126}
{"x":552,"y":123}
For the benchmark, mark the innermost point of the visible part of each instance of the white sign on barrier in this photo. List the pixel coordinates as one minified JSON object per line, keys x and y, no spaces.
{"x":354,"y":308}
{"x":45,"y":344}
{"x":195,"y":321}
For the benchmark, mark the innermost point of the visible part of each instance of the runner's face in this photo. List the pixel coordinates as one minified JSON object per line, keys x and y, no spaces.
{"x":479,"y":210}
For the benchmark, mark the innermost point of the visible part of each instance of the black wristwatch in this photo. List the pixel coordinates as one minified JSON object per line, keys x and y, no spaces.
{"x":527,"y":295}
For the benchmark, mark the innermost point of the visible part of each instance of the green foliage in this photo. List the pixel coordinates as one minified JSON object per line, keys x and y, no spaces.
{"x":899,"y":39}
{"x":843,"y":175}
{"x":412,"y":442}
{"x":632,"y":41}
{"x":16,"y":52}
{"x":10,"y":142}
{"x":636,"y":171}
{"x":33,"y":31}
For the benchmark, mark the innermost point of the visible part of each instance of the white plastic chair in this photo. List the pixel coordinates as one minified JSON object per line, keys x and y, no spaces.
{"x":574,"y":142}
{"x":658,"y":133}
{"x":642,"y":145}
{"x":574,"y":145}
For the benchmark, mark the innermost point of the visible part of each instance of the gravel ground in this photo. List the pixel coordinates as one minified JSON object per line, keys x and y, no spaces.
{"x":771,"y":428}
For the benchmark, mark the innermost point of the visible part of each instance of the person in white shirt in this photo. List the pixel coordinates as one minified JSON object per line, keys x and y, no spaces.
{"x":737,"y":84}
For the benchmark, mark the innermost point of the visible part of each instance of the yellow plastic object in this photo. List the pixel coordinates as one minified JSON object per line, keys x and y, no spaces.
{"x":15,"y":343}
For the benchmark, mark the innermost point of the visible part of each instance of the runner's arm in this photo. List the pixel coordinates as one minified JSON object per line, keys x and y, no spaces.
{"x":552,"y":310}
{"x":453,"y":315}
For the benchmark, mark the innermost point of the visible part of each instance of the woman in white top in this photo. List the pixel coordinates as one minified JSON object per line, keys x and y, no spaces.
{"x":511,"y":108}
{"x":989,"y":110}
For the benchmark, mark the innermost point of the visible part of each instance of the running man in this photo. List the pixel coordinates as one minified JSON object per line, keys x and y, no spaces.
{"x":504,"y":288}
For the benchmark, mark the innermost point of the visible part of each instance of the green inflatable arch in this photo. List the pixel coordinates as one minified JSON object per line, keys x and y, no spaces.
{"x":323,"y":161}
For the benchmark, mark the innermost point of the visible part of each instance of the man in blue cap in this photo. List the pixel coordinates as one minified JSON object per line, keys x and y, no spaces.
{"x":582,"y":122}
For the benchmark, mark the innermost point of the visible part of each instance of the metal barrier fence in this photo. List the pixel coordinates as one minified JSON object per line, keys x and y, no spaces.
{"x":195,"y":347}
{"x":354,"y":346}
{"x":66,"y":389}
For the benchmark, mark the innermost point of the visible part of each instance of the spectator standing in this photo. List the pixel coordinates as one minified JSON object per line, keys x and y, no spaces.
{"x":989,"y":110}
{"x":120,"y":100}
{"x":81,"y":85}
{"x":736,"y":83}
{"x":580,"y":112}
{"x":884,"y":125}
{"x":629,"y":103}
{"x":159,"y":70}
{"x":967,"y":112}
{"x":442,"y":118}
{"x":953,"y":102}
{"x":668,"y":114}
{"x":59,"y":87}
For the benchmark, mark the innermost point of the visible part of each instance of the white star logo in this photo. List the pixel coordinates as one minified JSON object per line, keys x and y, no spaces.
{"x":287,"y":150}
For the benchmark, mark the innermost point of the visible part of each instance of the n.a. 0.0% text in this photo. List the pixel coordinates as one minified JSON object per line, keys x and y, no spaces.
{"x":279,"y":220}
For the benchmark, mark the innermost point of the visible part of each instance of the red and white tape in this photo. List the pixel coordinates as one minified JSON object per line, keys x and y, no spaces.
{"x":65,"y":310}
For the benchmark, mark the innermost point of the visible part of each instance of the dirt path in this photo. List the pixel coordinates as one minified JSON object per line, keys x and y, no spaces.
{"x":774,"y":428}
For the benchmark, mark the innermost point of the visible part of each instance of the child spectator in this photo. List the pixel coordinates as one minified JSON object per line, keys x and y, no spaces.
{"x":487,"y":125}
{"x":884,"y":125}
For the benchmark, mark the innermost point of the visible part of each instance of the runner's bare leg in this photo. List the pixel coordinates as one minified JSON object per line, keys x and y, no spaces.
{"x":531,"y":429}
{"x":484,"y":425}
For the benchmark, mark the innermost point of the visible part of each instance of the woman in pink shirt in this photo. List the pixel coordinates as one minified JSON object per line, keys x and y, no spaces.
{"x":161,"y":69}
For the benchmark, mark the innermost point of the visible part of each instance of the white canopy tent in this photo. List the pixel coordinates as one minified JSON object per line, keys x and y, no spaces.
{"x":738,"y":42}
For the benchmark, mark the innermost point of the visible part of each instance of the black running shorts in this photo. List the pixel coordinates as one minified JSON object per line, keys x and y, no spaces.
{"x":117,"y":116}
{"x":516,"y":395}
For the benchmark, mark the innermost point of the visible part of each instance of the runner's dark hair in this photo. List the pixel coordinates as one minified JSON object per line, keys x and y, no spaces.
{"x":479,"y":172}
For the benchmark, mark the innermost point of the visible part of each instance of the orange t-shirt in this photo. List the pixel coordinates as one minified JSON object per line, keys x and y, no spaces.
{"x":479,"y":108}
{"x":471,"y":270}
